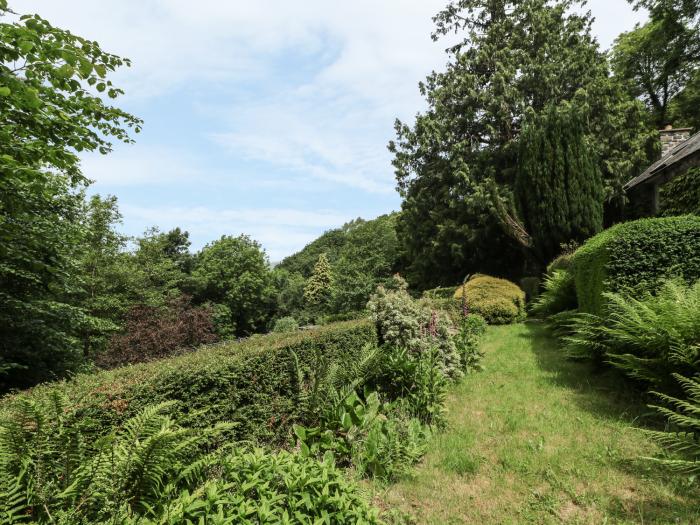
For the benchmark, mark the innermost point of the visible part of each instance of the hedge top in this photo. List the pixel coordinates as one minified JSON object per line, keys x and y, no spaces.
{"x":636,"y":257}
{"x":252,"y":383}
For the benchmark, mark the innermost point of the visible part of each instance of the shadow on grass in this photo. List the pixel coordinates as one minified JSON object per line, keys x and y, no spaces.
{"x":606,"y":394}
{"x":603,"y":391}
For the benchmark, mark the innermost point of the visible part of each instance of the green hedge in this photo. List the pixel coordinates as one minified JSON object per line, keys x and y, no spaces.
{"x":252,"y":383}
{"x":498,"y":301}
{"x":636,"y":257}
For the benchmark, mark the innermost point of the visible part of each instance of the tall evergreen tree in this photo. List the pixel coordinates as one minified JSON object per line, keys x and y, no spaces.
{"x":455,"y":166}
{"x":558,"y":186}
{"x":319,"y":288}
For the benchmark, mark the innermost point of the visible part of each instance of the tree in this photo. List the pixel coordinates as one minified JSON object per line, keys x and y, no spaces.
{"x":51,"y":108}
{"x":319,"y":288}
{"x":455,"y":166}
{"x":104,"y":272}
{"x":234,"y":273}
{"x":660,"y":57}
{"x":558,"y":186}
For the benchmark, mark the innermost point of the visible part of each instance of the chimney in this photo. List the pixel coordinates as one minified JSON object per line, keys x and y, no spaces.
{"x":671,"y":137}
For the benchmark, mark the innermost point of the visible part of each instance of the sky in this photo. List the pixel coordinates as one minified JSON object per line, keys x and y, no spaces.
{"x":265,"y":117}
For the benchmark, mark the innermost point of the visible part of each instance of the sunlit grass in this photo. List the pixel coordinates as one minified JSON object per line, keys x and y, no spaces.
{"x":536,"y":438}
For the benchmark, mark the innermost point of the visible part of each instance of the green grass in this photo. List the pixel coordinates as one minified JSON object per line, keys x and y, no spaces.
{"x":536,"y":438}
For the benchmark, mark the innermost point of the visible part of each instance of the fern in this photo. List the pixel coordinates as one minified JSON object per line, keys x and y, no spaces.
{"x":683,"y":442}
{"x":46,"y":467}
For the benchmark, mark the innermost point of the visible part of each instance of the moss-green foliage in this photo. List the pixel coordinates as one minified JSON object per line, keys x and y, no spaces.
{"x":558,"y":186}
{"x":252,"y":384}
{"x":498,"y":301}
{"x":681,"y":439}
{"x":558,"y":294}
{"x":635,"y":257}
{"x":415,"y":326}
{"x":681,"y":195}
{"x":154,"y":471}
{"x":649,"y":338}
{"x":285,"y":324}
{"x":561,"y":262}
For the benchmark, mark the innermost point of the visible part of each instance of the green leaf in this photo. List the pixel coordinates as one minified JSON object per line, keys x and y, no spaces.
{"x":4,"y":91}
{"x":25,"y":46}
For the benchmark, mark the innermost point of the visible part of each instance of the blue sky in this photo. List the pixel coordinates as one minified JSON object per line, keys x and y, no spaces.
{"x":265,"y":117}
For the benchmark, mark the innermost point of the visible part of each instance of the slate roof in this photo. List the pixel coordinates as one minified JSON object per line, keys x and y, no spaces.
{"x":678,"y":153}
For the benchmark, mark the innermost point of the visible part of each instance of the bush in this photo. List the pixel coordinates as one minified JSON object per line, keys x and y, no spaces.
{"x":152,"y":470}
{"x":562,"y":262}
{"x":498,"y":301}
{"x":285,"y":324}
{"x":403,"y":322}
{"x":648,"y":338}
{"x":252,"y":384}
{"x":153,"y":333}
{"x":636,"y":257}
{"x":558,"y":295}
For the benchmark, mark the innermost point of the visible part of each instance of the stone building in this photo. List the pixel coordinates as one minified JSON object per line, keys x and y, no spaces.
{"x":679,"y":152}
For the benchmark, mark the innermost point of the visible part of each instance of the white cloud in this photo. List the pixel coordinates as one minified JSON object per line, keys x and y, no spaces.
{"x":137,"y":165}
{"x":305,"y":92}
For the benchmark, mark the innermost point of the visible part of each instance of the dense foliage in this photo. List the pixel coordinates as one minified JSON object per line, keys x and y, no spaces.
{"x":558,"y":184}
{"x":51,"y":108}
{"x":648,"y":337}
{"x":154,"y":470}
{"x":659,"y":58}
{"x":233,"y":273}
{"x":131,"y":445}
{"x":635,"y":257}
{"x":456,"y":165}
{"x":681,"y":195}
{"x":498,"y":301}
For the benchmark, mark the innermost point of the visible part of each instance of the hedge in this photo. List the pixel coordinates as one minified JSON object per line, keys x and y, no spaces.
{"x":636,"y":257}
{"x":497,"y":300}
{"x":252,"y":383}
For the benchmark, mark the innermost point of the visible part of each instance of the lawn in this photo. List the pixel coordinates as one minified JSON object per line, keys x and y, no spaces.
{"x":537,"y":438}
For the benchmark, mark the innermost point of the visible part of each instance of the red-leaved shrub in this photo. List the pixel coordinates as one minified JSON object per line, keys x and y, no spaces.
{"x":152,"y":332}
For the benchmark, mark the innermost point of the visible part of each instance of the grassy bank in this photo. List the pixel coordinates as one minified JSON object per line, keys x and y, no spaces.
{"x":536,"y":438}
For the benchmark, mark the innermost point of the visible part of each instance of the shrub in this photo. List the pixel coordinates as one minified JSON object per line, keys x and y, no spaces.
{"x":151,"y":333}
{"x":252,"y":384}
{"x":558,"y":295}
{"x":681,"y":440}
{"x":403,"y":322}
{"x":153,"y":470}
{"x":648,"y":338}
{"x":498,"y":301}
{"x":562,"y":262}
{"x":285,"y":324}
{"x":636,"y":257}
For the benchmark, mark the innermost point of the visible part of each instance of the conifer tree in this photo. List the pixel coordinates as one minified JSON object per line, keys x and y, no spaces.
{"x":559,"y":189}
{"x":318,"y":289}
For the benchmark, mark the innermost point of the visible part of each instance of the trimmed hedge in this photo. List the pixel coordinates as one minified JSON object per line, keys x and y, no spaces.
{"x":252,"y":383}
{"x":498,"y":301}
{"x":636,"y":257}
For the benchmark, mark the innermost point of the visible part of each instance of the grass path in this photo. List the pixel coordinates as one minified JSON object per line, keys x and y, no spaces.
{"x":538,"y":439}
